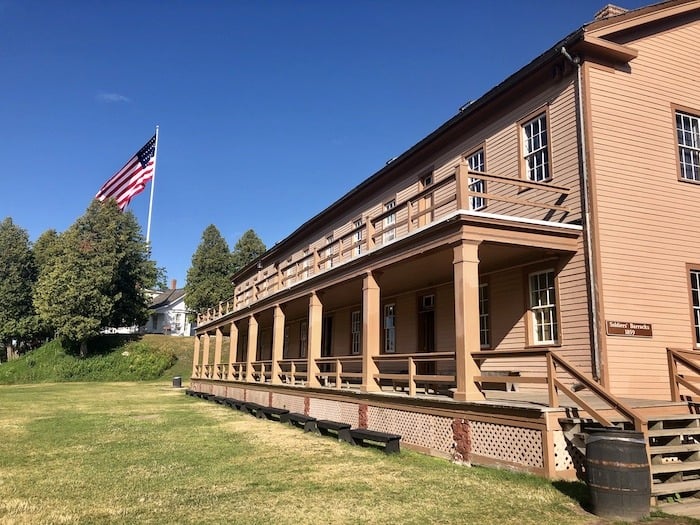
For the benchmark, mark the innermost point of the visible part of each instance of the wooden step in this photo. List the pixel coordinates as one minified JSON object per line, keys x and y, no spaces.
{"x":674,"y":432}
{"x":680,"y":466}
{"x":674,"y":417}
{"x":677,"y":487}
{"x":667,"y":449}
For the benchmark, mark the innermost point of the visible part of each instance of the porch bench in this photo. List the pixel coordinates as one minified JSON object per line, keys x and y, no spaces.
{"x":190,"y":392}
{"x":390,"y":441}
{"x":218,"y":399}
{"x":271,"y":412}
{"x":251,"y":408}
{"x":300,"y":420}
{"x":499,"y":382}
{"x":342,"y":430}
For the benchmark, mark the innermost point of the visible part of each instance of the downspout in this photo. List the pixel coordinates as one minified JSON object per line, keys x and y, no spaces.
{"x":588,"y":250}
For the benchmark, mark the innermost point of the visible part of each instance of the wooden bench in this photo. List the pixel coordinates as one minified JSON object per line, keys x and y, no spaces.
{"x":300,"y":420}
{"x":234,"y":403}
{"x":189,"y":392}
{"x":390,"y":441}
{"x":251,"y":408}
{"x":342,"y":430}
{"x":218,"y":399}
{"x":271,"y":413}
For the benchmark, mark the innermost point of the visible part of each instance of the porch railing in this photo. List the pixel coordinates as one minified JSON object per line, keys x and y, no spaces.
{"x":262,"y":370}
{"x":293,"y":371}
{"x":333,"y":370}
{"x":690,"y":378}
{"x":404,"y":370}
{"x":555,"y":364}
{"x":236,"y":370}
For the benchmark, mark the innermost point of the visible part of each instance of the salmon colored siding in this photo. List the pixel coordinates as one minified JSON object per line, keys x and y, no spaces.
{"x":642,"y":207}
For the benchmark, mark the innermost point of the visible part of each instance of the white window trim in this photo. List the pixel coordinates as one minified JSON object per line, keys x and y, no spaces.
{"x":536,"y":158}
{"x":390,"y":328}
{"x":688,"y":141}
{"x":544,"y":314}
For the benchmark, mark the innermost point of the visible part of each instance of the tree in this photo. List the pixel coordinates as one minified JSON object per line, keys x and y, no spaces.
{"x":44,"y":248}
{"x":209,"y":276}
{"x":17,"y":278}
{"x":97,"y":277}
{"x":248,"y":248}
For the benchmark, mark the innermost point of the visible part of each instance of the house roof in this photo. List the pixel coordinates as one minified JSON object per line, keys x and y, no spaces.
{"x":577,"y":39}
{"x":167,"y":297}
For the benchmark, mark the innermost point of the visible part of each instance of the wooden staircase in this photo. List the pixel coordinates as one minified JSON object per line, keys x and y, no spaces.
{"x":673,"y":445}
{"x":674,"y":455}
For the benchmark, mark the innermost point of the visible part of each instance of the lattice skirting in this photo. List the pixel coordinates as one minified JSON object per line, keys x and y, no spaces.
{"x":490,"y":442}
{"x":424,"y":430}
{"x":567,"y":458}
{"x":521,"y":446}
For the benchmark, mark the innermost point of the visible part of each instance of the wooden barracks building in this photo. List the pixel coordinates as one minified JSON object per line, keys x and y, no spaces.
{"x":531,"y":265}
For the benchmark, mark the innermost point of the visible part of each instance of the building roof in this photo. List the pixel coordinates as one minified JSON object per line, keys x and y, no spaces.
{"x":166,"y":298}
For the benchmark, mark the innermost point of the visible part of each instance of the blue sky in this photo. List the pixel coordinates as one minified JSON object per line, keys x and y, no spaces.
{"x":268,"y":110}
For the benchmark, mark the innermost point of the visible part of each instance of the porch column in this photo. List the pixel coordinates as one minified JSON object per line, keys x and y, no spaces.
{"x":232,"y":349}
{"x":205,"y":357}
{"x":371,"y":316}
{"x":466,"y":279}
{"x":195,"y":359}
{"x":218,"y":344}
{"x":252,"y":347}
{"x":277,"y":344}
{"x":314,"y":339}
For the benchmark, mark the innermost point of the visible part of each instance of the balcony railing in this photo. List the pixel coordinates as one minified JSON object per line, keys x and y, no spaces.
{"x":503,"y":196}
{"x":334,"y":370}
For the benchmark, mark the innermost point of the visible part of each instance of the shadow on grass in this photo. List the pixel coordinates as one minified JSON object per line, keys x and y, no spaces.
{"x":576,"y":490}
{"x":103,"y":344}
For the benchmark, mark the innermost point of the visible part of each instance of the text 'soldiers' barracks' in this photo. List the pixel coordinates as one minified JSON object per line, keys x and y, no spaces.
{"x":540,"y":250}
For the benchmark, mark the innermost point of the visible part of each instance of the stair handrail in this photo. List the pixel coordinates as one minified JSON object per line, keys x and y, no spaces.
{"x":688,"y":359}
{"x":639,"y":421}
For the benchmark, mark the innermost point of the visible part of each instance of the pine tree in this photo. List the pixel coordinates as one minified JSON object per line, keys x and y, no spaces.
{"x":248,"y":248}
{"x":97,"y":277}
{"x":17,"y":279}
{"x":209,"y":276}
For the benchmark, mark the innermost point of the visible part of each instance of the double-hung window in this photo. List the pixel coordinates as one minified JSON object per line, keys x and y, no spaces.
{"x":389,"y":222}
{"x":695,"y":295}
{"x":543,"y":308}
{"x":536,"y":148}
{"x":356,"y":331}
{"x":357,"y":237}
{"x":303,"y":338}
{"x":688,"y":132}
{"x":484,"y":334}
{"x":389,"y":328}
{"x":476,"y":163}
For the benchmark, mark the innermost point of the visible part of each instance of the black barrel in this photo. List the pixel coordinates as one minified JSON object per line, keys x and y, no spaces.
{"x":177,"y":382}
{"x":617,"y":468}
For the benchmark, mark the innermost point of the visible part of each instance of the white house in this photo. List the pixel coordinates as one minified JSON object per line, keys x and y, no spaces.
{"x":168,"y":313}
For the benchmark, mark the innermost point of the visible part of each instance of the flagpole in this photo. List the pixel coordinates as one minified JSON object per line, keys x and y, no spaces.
{"x":150,"y":203}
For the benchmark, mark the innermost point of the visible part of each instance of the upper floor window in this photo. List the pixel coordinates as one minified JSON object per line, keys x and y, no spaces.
{"x":389,"y":221}
{"x":688,"y":130}
{"x":357,"y":237}
{"x":543,"y":307}
{"x":476,"y":162}
{"x":329,"y":251}
{"x":535,"y":148}
{"x":427,"y":180}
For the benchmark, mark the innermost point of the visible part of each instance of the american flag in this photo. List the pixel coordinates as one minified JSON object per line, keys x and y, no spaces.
{"x":132,"y":178}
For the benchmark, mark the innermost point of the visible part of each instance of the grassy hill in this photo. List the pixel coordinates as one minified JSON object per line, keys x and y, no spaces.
{"x":112,"y":358}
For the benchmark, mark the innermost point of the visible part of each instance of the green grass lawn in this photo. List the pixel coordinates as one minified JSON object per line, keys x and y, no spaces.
{"x":144,"y":452}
